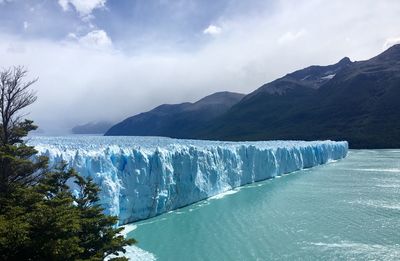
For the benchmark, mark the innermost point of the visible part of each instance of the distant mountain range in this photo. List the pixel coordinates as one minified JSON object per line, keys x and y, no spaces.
{"x":177,"y":120}
{"x":354,"y":101}
{"x":92,"y":128}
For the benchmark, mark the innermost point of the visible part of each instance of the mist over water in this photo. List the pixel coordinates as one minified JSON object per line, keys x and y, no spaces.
{"x":348,"y":209}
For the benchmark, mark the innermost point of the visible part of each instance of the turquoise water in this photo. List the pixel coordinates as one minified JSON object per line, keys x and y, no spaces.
{"x":347,"y":210}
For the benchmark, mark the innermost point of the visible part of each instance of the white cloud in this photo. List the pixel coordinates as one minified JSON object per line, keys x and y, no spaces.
{"x":72,"y":36}
{"x":213,"y":30}
{"x":391,"y":41}
{"x":290,"y":36}
{"x":83,"y":7}
{"x":96,"y":39}
{"x":81,"y":84}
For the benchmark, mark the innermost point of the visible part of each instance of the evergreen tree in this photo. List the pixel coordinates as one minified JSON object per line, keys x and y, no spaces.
{"x":40,"y":218}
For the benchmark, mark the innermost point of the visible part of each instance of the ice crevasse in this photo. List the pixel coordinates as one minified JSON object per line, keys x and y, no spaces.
{"x":141,"y":177}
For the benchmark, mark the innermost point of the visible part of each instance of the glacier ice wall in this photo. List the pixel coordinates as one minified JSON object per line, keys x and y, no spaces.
{"x":141,"y":177}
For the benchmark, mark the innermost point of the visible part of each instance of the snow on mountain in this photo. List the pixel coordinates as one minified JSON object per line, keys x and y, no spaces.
{"x":328,"y":77}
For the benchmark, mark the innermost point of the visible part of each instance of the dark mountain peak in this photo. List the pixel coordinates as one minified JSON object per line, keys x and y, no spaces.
{"x":395,"y":49}
{"x":226,"y":99}
{"x":359,"y":103}
{"x":175,"y":120}
{"x":312,"y":77}
{"x":345,"y":61}
{"x":318,"y":71}
{"x":92,"y":128}
{"x":170,"y":107}
{"x":392,"y":54}
{"x":220,"y":97}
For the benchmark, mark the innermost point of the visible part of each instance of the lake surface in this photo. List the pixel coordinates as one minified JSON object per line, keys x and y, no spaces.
{"x":344,"y":210}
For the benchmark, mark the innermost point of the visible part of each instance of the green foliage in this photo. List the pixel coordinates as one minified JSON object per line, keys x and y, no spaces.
{"x":46,"y":222}
{"x":17,"y":167}
{"x":98,"y":238}
{"x":40,"y":218}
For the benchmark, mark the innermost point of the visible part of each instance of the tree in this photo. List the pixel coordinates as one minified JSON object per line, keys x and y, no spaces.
{"x":15,"y":156}
{"x":40,"y":218}
{"x":15,"y":95}
{"x":94,"y":220}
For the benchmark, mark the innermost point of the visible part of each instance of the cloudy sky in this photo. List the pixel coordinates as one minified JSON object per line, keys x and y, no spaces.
{"x":109,"y":59}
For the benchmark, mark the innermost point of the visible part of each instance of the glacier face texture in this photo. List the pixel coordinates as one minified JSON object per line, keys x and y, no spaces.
{"x":141,"y":177}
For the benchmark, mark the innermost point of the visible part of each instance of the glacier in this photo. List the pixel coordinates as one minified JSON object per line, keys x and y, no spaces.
{"x":141,"y":177}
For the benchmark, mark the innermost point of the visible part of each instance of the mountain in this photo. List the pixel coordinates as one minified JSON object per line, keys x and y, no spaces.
{"x":354,"y":101}
{"x":177,"y":120}
{"x":92,"y":128}
{"x":312,"y":77}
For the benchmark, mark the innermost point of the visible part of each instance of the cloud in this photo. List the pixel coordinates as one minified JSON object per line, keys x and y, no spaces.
{"x":212,"y":30}
{"x":290,"y":36}
{"x":83,"y":7}
{"x":97,"y":39}
{"x":391,"y":41}
{"x":82,"y":84}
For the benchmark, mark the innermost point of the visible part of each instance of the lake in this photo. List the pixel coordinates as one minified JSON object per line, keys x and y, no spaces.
{"x":348,"y":209}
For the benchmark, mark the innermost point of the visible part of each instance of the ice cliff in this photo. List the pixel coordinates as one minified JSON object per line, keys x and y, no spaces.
{"x":141,"y":177}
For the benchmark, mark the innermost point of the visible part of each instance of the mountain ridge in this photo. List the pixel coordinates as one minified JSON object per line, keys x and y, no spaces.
{"x":359,"y":104}
{"x":354,"y":101}
{"x":99,"y":127}
{"x":176,"y":120}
